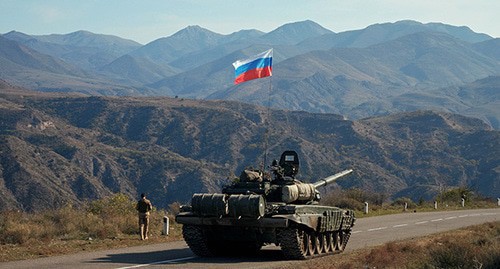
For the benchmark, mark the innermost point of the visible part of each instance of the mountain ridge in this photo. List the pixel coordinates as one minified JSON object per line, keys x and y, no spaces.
{"x":349,"y":78}
{"x":377,"y":33}
{"x":353,"y":76}
{"x":75,"y":148}
{"x":83,"y":49}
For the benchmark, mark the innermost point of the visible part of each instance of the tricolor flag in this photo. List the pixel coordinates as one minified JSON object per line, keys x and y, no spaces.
{"x":258,"y":66}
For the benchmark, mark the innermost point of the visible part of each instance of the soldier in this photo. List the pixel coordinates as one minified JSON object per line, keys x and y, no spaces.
{"x":143,"y":207}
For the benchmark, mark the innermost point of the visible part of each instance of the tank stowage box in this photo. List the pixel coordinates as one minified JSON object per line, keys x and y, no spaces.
{"x":255,"y":211}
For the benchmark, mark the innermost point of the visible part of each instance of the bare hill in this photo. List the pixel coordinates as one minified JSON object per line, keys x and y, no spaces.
{"x":58,"y":149}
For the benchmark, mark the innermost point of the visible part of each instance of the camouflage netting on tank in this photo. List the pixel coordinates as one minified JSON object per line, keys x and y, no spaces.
{"x":298,"y":192}
{"x":251,"y":175}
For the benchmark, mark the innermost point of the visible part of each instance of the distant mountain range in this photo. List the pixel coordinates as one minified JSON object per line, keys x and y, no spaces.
{"x":378,"y":70}
{"x":67,"y":148}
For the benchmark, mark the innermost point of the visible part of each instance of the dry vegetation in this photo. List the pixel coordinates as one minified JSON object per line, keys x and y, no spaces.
{"x":471,"y":247}
{"x":101,"y":224}
{"x":380,"y":205}
{"x":112,"y":222}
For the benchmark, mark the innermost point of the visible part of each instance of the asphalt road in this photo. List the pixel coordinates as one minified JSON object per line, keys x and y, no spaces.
{"x":367,"y":232}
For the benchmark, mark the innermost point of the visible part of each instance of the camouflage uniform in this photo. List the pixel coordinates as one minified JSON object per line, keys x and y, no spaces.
{"x":144,"y":206}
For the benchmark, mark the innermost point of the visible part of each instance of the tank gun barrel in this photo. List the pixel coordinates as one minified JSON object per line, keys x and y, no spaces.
{"x":332,"y":178}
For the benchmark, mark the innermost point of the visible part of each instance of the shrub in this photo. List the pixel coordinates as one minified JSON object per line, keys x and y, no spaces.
{"x":114,"y":215}
{"x":109,"y":217}
{"x":352,"y":199}
{"x":490,"y":258}
{"x":400,"y":202}
{"x":451,"y":255}
{"x":392,"y":255}
{"x":118,"y":204}
{"x":17,"y":234}
{"x":454,"y":196}
{"x":174,"y":208}
{"x":349,"y":203}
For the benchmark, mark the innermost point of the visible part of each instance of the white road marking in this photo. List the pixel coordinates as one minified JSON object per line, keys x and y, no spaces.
{"x":354,"y":232}
{"x":159,"y":262}
{"x":427,"y":221}
{"x":377,"y":229}
{"x":489,"y":214}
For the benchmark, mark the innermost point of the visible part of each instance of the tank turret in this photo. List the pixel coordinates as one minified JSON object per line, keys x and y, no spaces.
{"x":308,"y":192}
{"x":257,"y":209}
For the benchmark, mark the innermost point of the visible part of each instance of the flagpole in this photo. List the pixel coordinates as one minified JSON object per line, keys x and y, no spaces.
{"x":268,"y":119}
{"x":257,"y":66}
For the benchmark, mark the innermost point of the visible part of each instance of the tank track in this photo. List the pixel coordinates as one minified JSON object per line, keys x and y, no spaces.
{"x":347,"y":235}
{"x":299,"y":244}
{"x":197,"y":241}
{"x":292,"y":244}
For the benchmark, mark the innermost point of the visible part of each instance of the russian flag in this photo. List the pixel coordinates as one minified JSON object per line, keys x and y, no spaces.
{"x":257,"y":66}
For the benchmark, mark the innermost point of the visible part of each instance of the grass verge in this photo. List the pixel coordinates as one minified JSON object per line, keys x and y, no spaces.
{"x":112,"y":223}
{"x":102,"y":224}
{"x":471,"y":247}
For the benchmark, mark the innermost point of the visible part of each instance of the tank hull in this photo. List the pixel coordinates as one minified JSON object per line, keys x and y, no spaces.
{"x":302,"y":231}
{"x":318,"y":218}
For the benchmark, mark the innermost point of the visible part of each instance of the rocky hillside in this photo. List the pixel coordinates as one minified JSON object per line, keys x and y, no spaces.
{"x":60,"y":149}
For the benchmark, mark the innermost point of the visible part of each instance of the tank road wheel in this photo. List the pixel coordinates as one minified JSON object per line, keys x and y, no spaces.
{"x":310,"y":242}
{"x":322,"y":243}
{"x":316,"y":244}
{"x":338,"y":241}
{"x":294,"y":243}
{"x":196,"y":240}
{"x":329,"y":246}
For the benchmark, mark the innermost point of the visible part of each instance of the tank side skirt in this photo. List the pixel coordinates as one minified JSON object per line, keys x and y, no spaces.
{"x":210,"y":221}
{"x":311,"y":221}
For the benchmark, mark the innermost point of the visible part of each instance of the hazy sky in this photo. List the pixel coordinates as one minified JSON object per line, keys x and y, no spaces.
{"x":147,"y":20}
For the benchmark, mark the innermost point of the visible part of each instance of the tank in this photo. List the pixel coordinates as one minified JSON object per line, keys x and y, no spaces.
{"x":257,"y":210}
